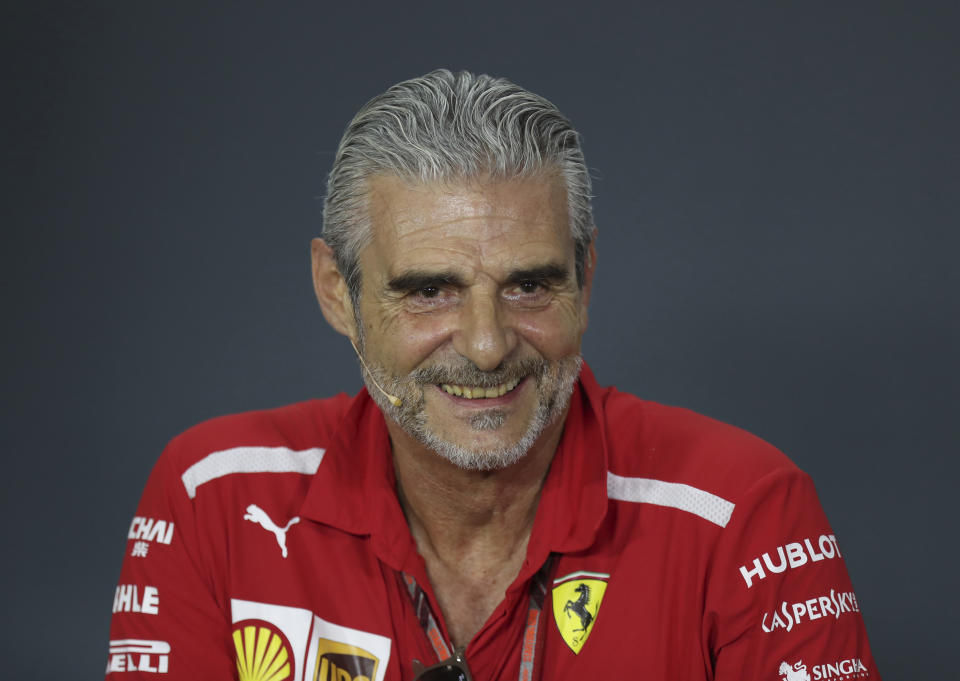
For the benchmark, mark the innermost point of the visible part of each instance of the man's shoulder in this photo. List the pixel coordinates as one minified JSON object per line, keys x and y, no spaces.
{"x":298,"y":427}
{"x":651,"y":440}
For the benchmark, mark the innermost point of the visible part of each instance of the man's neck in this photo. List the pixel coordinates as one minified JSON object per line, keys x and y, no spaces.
{"x":471,"y":527}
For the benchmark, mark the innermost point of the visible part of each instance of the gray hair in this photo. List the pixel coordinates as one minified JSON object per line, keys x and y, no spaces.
{"x":445,"y":126}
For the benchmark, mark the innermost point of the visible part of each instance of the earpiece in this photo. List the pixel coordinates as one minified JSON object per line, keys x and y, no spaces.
{"x":394,"y":400}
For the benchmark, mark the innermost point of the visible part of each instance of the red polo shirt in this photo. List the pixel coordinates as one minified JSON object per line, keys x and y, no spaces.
{"x":271,"y":546}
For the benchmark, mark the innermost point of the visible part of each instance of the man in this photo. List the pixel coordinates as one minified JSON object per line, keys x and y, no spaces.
{"x":483,"y":509}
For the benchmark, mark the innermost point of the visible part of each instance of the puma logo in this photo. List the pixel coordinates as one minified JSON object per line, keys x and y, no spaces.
{"x":257,"y":515}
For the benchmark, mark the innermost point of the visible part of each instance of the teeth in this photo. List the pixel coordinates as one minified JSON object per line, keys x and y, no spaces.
{"x":474,"y":393}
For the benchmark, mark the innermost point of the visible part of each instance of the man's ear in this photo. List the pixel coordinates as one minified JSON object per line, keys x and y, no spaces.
{"x":589,"y":267}
{"x":331,"y":289}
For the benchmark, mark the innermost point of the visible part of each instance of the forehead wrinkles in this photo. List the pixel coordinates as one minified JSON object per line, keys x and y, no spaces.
{"x":409,"y":213}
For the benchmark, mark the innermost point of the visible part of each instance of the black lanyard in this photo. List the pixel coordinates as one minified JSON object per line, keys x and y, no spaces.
{"x":528,"y":654}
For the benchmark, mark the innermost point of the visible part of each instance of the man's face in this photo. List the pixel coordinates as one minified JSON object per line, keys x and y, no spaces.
{"x":471,"y":314}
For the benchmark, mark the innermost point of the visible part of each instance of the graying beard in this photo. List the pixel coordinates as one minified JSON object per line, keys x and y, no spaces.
{"x":491,"y":419}
{"x":490,"y":460}
{"x":503,"y":457}
{"x":411,"y":417}
{"x":467,"y":374}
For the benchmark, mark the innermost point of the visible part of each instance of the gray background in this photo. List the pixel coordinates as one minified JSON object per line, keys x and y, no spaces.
{"x":777,"y":200}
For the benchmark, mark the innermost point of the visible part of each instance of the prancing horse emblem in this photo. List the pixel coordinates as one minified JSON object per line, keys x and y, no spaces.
{"x":579,"y":607}
{"x":576,"y":602}
{"x":258,"y":515}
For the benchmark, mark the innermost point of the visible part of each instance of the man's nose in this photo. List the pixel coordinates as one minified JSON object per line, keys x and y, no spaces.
{"x":484,"y":336}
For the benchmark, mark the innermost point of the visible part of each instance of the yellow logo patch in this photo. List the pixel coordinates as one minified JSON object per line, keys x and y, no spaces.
{"x":342,"y":662}
{"x":263,"y":653}
{"x":576,"y":602}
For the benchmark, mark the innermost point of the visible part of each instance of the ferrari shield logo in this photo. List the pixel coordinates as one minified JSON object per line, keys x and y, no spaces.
{"x":576,"y":602}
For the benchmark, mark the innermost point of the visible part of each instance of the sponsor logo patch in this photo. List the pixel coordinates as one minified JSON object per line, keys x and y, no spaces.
{"x":138,"y":655}
{"x":146,"y":530}
{"x":795,"y":672}
{"x":318,"y":650}
{"x":841,"y":670}
{"x":790,"y":615}
{"x":263,"y":652}
{"x":792,"y":555}
{"x":257,"y":515}
{"x":576,"y":602}
{"x":133,"y":598}
{"x":343,"y":662}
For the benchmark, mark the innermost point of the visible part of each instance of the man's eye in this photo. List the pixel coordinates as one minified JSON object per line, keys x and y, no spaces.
{"x":428,"y":292}
{"x":529,"y":286}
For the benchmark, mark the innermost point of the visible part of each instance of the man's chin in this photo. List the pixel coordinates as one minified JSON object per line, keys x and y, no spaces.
{"x":474,"y":458}
{"x":490,"y":443}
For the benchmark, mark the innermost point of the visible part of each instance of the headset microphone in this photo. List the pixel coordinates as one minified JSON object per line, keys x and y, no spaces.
{"x":394,"y":400}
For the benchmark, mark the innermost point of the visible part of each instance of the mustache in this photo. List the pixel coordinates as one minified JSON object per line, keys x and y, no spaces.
{"x":468,"y":374}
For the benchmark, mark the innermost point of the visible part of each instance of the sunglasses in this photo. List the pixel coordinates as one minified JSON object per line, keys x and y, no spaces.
{"x":454,"y":668}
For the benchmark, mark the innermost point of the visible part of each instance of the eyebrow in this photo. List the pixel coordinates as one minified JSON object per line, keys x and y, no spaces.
{"x":553,"y":272}
{"x":413,"y":280}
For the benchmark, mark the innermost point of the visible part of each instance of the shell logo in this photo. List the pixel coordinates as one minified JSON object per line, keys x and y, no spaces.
{"x":263,"y":652}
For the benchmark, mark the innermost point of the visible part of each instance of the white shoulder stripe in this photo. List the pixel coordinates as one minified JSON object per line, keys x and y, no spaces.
{"x":672,"y":494}
{"x":250,"y":460}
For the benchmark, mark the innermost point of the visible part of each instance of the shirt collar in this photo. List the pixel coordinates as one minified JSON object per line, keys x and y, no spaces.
{"x":354,"y":489}
{"x":574,"y":498}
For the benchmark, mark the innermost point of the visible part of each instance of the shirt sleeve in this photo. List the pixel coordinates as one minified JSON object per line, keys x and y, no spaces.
{"x":779,"y":599}
{"x":167,"y":619}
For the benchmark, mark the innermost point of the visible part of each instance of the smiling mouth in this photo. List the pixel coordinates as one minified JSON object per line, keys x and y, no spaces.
{"x":479,"y":393}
